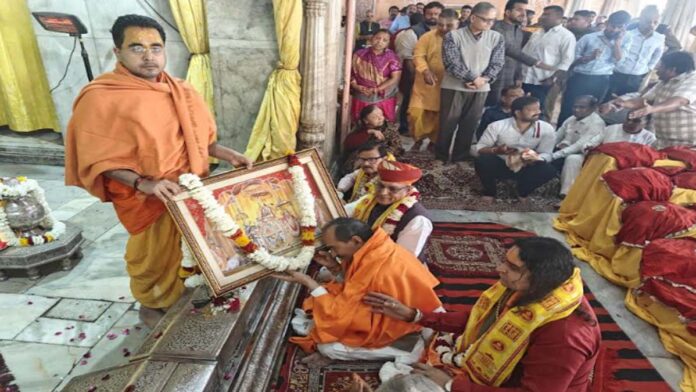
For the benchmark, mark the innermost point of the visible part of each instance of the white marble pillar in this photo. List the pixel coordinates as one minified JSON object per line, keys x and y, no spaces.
{"x":312,"y":131}
{"x":334,"y":56}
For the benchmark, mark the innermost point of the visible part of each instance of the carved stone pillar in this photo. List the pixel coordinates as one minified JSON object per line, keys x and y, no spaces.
{"x":312,"y":131}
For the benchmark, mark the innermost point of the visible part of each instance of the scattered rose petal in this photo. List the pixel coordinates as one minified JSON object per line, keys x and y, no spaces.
{"x":82,"y":336}
{"x":126,"y":331}
{"x":58,"y":333}
{"x":235,"y":304}
{"x":111,"y":336}
{"x":70,"y":327}
{"x":126,"y":353}
{"x":157,"y":335}
{"x":129,"y":388}
{"x":87,"y":355}
{"x":30,"y":303}
{"x":83,"y":362}
{"x":227,"y":376}
{"x":92,"y":388}
{"x":106,"y":377}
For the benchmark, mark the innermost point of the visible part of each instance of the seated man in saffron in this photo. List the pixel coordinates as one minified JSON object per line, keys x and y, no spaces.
{"x":393,"y":205}
{"x":533,"y":330}
{"x":133,"y":131}
{"x":357,"y":184}
{"x":341,"y":326}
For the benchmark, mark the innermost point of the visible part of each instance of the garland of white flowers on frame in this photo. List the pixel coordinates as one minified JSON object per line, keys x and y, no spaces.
{"x":222,"y":222}
{"x":23,"y":188}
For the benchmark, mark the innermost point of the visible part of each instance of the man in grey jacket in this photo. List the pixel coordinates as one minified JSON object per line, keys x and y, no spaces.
{"x":473,"y":57}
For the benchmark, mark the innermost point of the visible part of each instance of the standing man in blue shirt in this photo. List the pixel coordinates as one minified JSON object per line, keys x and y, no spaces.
{"x":643,"y":54}
{"x":403,"y":20}
{"x":596,"y":55}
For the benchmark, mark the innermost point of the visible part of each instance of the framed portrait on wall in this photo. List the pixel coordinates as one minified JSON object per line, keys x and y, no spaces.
{"x":262,"y":203}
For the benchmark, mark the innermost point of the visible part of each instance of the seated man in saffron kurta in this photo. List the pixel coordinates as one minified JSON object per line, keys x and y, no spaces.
{"x":393,"y":205}
{"x":132,"y":133}
{"x":531,"y":331}
{"x":336,"y":321}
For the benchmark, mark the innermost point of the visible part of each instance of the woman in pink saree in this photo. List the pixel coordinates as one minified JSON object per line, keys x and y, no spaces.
{"x":375,"y":77}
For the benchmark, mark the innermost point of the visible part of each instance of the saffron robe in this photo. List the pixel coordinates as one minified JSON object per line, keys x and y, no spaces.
{"x":159,"y":130}
{"x":379,"y":266}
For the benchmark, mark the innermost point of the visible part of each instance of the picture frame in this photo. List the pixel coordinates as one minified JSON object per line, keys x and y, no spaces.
{"x":261,"y":201}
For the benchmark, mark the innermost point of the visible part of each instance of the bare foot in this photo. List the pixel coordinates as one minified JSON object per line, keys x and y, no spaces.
{"x":149,"y":316}
{"x":357,"y":384}
{"x":316,"y":360}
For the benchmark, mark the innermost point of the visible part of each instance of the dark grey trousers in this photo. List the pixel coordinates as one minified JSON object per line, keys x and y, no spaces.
{"x":458,"y":109}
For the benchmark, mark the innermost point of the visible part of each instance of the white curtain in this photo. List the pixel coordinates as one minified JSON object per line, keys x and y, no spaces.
{"x":680,"y":15}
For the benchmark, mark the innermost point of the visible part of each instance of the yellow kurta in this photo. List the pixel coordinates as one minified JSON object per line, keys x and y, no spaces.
{"x":424,"y":108}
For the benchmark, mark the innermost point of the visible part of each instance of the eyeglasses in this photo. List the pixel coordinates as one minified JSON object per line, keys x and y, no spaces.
{"x":485,"y":20}
{"x":379,"y":186}
{"x":512,"y":267}
{"x":141,"y":49}
{"x":369,"y":159}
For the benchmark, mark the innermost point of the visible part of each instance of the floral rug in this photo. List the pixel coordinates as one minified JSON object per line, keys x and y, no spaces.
{"x":463,"y":257}
{"x":456,"y":187}
{"x":6,"y":378}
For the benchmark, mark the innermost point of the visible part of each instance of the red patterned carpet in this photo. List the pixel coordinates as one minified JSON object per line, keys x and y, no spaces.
{"x":463,"y":256}
{"x":6,"y":378}
{"x":456,"y":187}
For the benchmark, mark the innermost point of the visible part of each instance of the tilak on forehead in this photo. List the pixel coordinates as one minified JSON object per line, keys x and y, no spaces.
{"x":142,"y":36}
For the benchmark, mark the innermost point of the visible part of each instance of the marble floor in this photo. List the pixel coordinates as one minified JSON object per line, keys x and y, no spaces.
{"x":72,"y":322}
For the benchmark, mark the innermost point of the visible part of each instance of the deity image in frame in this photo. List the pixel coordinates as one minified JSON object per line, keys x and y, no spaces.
{"x":263,"y":204}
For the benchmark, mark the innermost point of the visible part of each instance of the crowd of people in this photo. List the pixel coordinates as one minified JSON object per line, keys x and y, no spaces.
{"x":524,"y":98}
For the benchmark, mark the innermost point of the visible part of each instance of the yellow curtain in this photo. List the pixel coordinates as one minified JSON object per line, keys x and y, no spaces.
{"x":25,"y":100}
{"x":279,"y":117}
{"x":193,"y":27}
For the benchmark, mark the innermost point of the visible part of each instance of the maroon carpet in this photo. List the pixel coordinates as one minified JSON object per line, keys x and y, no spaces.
{"x":456,"y":187}
{"x":463,"y":256}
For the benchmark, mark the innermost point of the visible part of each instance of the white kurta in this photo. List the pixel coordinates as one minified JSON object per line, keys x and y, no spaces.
{"x":413,"y":236}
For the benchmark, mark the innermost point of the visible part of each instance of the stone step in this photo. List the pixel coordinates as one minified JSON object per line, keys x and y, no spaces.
{"x":38,"y":148}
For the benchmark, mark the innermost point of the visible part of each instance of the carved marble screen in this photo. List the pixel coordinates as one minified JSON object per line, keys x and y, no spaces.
{"x":261,"y":201}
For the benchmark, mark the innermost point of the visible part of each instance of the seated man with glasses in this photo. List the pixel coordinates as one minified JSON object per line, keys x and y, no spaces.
{"x":533,"y":330}
{"x":358,"y":183}
{"x":342,"y":327}
{"x":393,"y":205}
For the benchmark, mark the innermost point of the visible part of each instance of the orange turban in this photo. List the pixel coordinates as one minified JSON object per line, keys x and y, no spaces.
{"x":392,"y":171}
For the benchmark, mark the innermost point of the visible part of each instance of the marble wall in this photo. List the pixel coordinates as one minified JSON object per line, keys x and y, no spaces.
{"x":243,"y":52}
{"x":98,"y":17}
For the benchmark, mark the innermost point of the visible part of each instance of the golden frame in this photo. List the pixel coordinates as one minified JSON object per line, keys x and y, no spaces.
{"x":260,"y":200}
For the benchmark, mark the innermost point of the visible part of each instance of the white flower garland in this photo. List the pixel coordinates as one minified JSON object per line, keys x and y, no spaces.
{"x":23,"y":188}
{"x":222,"y":222}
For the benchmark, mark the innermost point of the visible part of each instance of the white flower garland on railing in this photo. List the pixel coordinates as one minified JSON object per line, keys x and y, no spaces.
{"x":222,"y":222}
{"x":23,"y":188}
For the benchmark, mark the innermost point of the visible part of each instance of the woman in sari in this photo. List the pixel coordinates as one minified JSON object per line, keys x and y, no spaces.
{"x":371,"y":125}
{"x":375,"y":77}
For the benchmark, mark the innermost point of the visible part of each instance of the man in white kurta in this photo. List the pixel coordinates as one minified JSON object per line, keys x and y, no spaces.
{"x":393,"y":205}
{"x":575,"y":133}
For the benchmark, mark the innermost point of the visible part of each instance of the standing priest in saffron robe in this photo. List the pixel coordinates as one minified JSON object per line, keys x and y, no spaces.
{"x":393,"y":205}
{"x":132,"y":133}
{"x":533,"y":330}
{"x":341,"y":326}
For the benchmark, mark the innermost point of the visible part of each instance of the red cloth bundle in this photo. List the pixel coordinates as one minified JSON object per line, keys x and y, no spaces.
{"x":681,"y":153}
{"x":630,"y":154}
{"x":646,"y":221}
{"x":639,"y":184}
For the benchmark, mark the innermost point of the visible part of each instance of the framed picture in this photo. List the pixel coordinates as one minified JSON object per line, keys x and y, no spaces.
{"x":262,"y":202}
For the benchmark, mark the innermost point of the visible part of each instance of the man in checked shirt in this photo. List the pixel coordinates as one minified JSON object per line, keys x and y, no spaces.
{"x":473,"y":56}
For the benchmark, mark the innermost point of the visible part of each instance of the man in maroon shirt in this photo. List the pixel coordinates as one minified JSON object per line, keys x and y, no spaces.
{"x":536,"y":317}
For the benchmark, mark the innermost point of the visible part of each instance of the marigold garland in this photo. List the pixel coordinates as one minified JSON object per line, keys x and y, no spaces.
{"x":222,"y":222}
